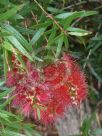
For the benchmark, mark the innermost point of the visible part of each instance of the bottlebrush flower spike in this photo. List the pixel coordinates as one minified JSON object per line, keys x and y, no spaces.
{"x":12,"y":78}
{"x":76,"y":81}
{"x":59,"y":85}
{"x":54,"y":110}
{"x":26,"y":109}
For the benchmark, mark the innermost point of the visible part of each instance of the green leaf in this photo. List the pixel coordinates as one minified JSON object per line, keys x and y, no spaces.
{"x":28,"y":129}
{"x":4,"y":32}
{"x":66,"y":42}
{"x":54,"y":40}
{"x":11,"y":133}
{"x":18,"y":45}
{"x":42,"y":25}
{"x":67,"y":18}
{"x":18,"y":36}
{"x":38,"y":112}
{"x":87,"y":124}
{"x":53,"y":34}
{"x":28,"y":133}
{"x":24,"y":30}
{"x":18,"y":16}
{"x":2,"y":82}
{"x":76,"y":14}
{"x":21,"y":61}
{"x":94,"y":73}
{"x":4,"y":93}
{"x":5,"y":63}
{"x":6,"y":102}
{"x":59,"y":47}
{"x":11,"y":114}
{"x":96,"y":47}
{"x":77,"y":31}
{"x":54,"y":10}
{"x":36,"y":133}
{"x":4,"y":2}
{"x":98,"y":131}
{"x":9,"y":13}
{"x":4,"y":117}
{"x":37,"y":35}
{"x":64,"y":15}
{"x":8,"y":46}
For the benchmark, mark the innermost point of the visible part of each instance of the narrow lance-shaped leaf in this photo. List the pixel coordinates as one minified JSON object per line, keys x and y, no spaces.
{"x":9,"y":13}
{"x":76,"y":14}
{"x":54,"y":40}
{"x":53,"y":34}
{"x":98,"y":131}
{"x":21,"y":61}
{"x":65,"y":15}
{"x":4,"y":117}
{"x":18,"y":45}
{"x":4,"y":93}
{"x":2,"y":82}
{"x":54,"y":10}
{"x":66,"y":42}
{"x":37,"y":35}
{"x":4,"y":2}
{"x":18,"y":36}
{"x":24,"y":30}
{"x":8,"y":46}
{"x":12,"y":133}
{"x":87,"y":124}
{"x":3,"y":32}
{"x":5,"y":62}
{"x":38,"y":113}
{"x":59,"y":47}
{"x":6,"y":103}
{"x":77,"y":31}
{"x":42,"y":25}
{"x":67,"y":18}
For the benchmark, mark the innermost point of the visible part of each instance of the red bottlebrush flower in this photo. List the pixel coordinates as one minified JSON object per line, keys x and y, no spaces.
{"x":76,"y":81}
{"x":61,"y":68}
{"x":50,"y":73}
{"x":43,"y":97}
{"x":54,"y":74}
{"x":12,"y":78}
{"x":61,"y":95}
{"x":29,"y":66}
{"x":53,"y":111}
{"x":33,"y":77}
{"x":27,"y":109}
{"x":62,"y":84}
{"x":78,"y":88}
{"x":47,"y":117}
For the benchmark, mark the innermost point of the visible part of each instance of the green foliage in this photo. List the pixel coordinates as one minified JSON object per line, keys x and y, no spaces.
{"x":28,"y":26}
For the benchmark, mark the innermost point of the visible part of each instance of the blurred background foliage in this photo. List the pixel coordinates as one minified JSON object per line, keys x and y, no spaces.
{"x":42,"y":30}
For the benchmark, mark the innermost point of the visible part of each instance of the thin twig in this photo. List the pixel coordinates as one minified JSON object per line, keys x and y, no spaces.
{"x":87,"y":58}
{"x":51,"y":17}
{"x":98,"y":120}
{"x":35,"y":19}
{"x":77,"y":4}
{"x":25,"y":23}
{"x":7,"y":62}
{"x":93,"y":72}
{"x":81,"y":3}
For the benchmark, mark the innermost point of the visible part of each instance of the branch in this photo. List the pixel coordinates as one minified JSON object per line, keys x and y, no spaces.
{"x":51,"y":17}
